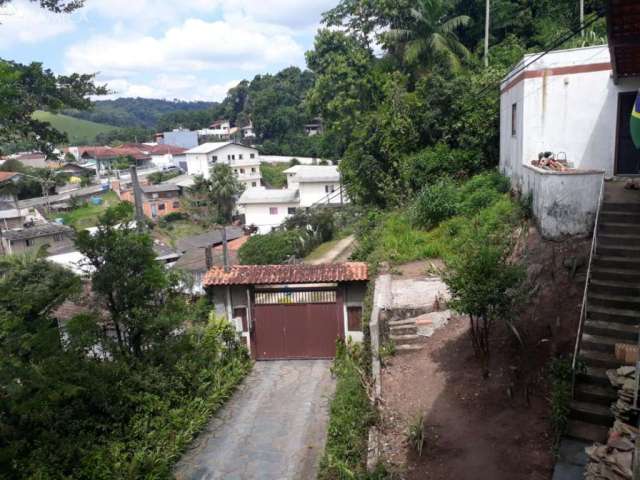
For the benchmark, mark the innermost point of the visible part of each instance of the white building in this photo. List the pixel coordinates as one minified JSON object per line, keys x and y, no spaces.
{"x":244,"y":161}
{"x":267,"y":209}
{"x":317,"y":184}
{"x":307,"y":186}
{"x":571,"y":103}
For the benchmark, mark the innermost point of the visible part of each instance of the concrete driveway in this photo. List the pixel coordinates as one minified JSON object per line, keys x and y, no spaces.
{"x":274,"y":427}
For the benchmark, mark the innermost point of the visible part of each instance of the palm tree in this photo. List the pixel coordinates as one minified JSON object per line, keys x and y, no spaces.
{"x":430,"y":36}
{"x":225,"y":189}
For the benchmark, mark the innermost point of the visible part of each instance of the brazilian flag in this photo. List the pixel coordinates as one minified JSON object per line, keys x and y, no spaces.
{"x":634,"y":124}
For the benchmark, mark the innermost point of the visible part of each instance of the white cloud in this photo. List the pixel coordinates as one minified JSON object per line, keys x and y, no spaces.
{"x":290,"y":13}
{"x":24,"y":22}
{"x":184,"y":87}
{"x":195,"y":45}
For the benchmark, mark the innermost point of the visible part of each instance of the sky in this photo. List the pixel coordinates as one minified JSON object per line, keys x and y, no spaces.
{"x":185,"y":49}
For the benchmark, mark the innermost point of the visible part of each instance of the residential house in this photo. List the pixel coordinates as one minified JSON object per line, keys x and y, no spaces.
{"x":162,"y":156}
{"x":157,"y":200}
{"x":575,"y":105}
{"x":314,"y":127}
{"x":11,"y":215}
{"x":56,"y":237}
{"x":267,"y":209}
{"x":289,"y":158}
{"x":316,"y":184}
{"x":245,"y":161}
{"x":104,"y":158}
{"x":248,"y":131}
{"x":30,"y":159}
{"x":178,"y":137}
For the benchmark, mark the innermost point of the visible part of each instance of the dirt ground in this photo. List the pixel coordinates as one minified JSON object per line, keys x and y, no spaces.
{"x":497,"y":428}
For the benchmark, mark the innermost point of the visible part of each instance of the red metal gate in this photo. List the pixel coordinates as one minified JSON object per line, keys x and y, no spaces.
{"x":297,"y":324}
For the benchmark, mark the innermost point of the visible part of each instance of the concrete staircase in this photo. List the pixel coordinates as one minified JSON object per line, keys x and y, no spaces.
{"x":613,"y":311}
{"x":404,"y":335}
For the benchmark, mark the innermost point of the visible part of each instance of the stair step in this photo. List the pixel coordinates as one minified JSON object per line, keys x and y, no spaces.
{"x":615,"y":239}
{"x":587,"y":431}
{"x":618,"y":315}
{"x":617,"y":332}
{"x":614,"y":287}
{"x":403,"y":330}
{"x":623,"y":228}
{"x":600,"y":394}
{"x":606,"y":273}
{"x":624,"y":251}
{"x":594,"y":358}
{"x":628,"y":302}
{"x":594,"y":376}
{"x":612,"y":216}
{"x":401,"y":323}
{"x":603,"y":343}
{"x":408,"y":348}
{"x":591,"y":413}
{"x":621,"y":206}
{"x":405,"y":339}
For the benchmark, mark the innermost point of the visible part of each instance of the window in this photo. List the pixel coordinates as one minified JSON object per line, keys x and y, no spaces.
{"x":242,"y":170}
{"x":176,"y":204}
{"x":273,"y":210}
{"x":291,"y":210}
{"x":329,"y":188}
{"x":354,"y":319}
{"x":233,"y":157}
{"x":254,"y":184}
{"x":228,"y":157}
{"x":161,"y":206}
{"x":214,"y":158}
{"x":252,"y":155}
{"x":57,"y":237}
{"x":253,"y":170}
{"x":29,"y":242}
{"x":514,"y":119}
{"x":239,"y":156}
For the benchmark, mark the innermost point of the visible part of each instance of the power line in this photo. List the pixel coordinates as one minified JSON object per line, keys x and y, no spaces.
{"x":564,"y":38}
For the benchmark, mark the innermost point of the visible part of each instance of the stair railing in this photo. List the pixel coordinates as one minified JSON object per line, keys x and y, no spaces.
{"x":583,"y":309}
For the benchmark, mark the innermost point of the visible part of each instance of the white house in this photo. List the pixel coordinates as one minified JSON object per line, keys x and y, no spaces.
{"x":244,"y":161}
{"x":316,"y":184}
{"x":575,"y":104}
{"x":267,"y":209}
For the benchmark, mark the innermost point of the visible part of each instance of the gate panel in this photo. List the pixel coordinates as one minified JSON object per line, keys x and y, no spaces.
{"x":297,"y":330}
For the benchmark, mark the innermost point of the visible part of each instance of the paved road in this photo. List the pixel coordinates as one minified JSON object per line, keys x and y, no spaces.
{"x":273,"y":428}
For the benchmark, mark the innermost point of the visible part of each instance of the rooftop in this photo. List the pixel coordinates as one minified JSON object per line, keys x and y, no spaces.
{"x":209,"y":147}
{"x":287,"y":274}
{"x":264,"y":195}
{"x":314,"y":173}
{"x":5,"y":176}
{"x":43,"y":230}
{"x":206,"y":239}
{"x":161,"y":187}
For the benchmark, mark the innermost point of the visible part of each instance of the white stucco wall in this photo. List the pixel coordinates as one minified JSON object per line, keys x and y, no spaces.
{"x":312,"y":192}
{"x":287,"y":159}
{"x":236,"y":156}
{"x":260,"y":216}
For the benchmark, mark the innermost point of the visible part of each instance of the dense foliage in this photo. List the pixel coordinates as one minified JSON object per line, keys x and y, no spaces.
{"x":78,"y":401}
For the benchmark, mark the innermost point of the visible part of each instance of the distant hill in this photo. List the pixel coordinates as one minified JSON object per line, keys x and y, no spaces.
{"x":79,"y":131}
{"x":135,"y":112}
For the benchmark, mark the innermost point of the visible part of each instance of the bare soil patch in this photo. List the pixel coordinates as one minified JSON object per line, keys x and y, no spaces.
{"x":497,"y":428}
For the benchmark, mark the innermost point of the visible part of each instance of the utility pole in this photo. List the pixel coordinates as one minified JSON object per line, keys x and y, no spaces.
{"x":582,"y":17}
{"x":225,"y":249}
{"x":137,"y":198}
{"x":486,"y":33}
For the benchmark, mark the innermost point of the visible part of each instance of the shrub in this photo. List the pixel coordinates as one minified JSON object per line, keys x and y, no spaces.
{"x":172,"y":217}
{"x":428,"y":165}
{"x":435,"y":203}
{"x":482,"y":191}
{"x":560,"y":375}
{"x":273,"y":248}
{"x":416,"y":435}
{"x":351,"y":415}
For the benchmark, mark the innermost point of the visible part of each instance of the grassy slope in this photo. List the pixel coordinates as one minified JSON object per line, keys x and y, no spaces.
{"x":79,"y":131}
{"x":87,"y":216}
{"x":272,"y":174}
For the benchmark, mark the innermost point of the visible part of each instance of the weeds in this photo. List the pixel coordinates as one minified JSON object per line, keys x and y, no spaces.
{"x":416,"y":435}
{"x":560,"y":376}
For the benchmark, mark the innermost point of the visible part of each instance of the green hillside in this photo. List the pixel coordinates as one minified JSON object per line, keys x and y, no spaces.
{"x":79,"y":131}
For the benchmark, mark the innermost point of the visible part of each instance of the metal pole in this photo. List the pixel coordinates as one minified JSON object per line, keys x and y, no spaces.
{"x":582,"y":17}
{"x":225,"y":251}
{"x":486,"y":33}
{"x":137,"y":198}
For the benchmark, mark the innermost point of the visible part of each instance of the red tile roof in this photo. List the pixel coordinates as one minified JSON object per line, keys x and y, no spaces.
{"x":4,"y":176}
{"x":282,"y":274}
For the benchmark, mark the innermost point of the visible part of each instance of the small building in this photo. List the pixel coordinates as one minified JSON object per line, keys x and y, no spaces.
{"x":314,"y":127}
{"x":248,"y":131}
{"x":56,"y":237}
{"x":267,"y":209}
{"x":317,"y":184}
{"x":574,"y":105}
{"x":291,"y":311}
{"x":157,"y":200}
{"x":245,"y":161}
{"x":178,"y":137}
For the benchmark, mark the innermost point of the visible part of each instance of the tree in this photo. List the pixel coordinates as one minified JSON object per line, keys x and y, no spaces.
{"x":430,"y":37}
{"x":482,"y":284}
{"x":224,"y":191}
{"x":25,"y":88}
{"x":137,"y":290}
{"x":57,"y":6}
